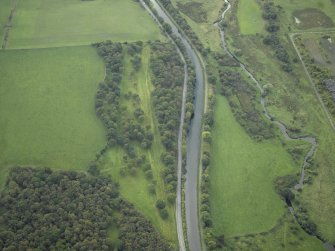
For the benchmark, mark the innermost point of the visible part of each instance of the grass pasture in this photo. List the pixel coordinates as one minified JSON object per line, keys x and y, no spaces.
{"x":250,"y":17}
{"x":50,"y":23}
{"x":243,"y":199}
{"x":135,"y":188}
{"x":47,"y":107}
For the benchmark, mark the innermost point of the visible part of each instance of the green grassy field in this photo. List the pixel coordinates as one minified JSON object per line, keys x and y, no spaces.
{"x":250,"y":19}
{"x":50,"y":23}
{"x":135,"y":188}
{"x":47,"y":107}
{"x":243,"y":199}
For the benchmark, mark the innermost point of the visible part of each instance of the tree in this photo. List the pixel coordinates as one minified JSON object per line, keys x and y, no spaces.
{"x":160,"y":204}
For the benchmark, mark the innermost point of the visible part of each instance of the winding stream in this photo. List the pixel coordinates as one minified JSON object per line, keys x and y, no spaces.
{"x":309,"y":139}
{"x":193,"y":145}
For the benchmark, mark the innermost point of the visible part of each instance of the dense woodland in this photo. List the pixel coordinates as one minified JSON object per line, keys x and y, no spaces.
{"x":43,"y":209}
{"x":168,"y":78}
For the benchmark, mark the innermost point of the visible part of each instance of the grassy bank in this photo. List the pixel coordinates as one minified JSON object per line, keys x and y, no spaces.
{"x":62,"y":23}
{"x":47,"y":107}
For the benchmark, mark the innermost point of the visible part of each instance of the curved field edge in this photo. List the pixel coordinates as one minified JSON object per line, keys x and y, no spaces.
{"x":47,"y":107}
{"x":243,"y":199}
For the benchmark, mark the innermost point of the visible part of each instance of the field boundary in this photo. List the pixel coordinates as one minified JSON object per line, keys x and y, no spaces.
{"x":324,"y":108}
{"x":8,"y":25}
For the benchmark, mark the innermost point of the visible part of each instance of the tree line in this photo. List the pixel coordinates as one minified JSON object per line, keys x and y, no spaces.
{"x":43,"y":209}
{"x":271,"y":14}
{"x":168,"y":78}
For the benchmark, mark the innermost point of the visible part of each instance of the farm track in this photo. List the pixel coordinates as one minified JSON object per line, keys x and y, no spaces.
{"x":308,"y":139}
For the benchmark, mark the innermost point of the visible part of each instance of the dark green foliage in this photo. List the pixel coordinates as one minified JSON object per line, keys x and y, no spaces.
{"x":283,"y":186}
{"x":46,"y":210}
{"x":160,"y":204}
{"x":136,"y":233}
{"x":306,"y":223}
{"x":123,"y":128}
{"x":164,"y":214}
{"x":245,"y":111}
{"x":167,"y":78}
{"x":271,"y":14}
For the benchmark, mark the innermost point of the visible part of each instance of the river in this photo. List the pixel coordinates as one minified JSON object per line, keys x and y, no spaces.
{"x":193,"y":143}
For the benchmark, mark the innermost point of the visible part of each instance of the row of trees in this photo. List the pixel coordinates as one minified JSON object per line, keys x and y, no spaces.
{"x":168,"y":78}
{"x":271,"y":15}
{"x":43,"y":209}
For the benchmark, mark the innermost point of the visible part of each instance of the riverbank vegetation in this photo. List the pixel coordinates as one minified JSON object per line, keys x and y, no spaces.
{"x":291,"y":99}
{"x":69,"y":210}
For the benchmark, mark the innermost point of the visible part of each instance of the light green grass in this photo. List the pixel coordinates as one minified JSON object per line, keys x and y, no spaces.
{"x":47,"y":107}
{"x":243,"y":199}
{"x":250,"y":17}
{"x":51,"y":23}
{"x":135,"y":188}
